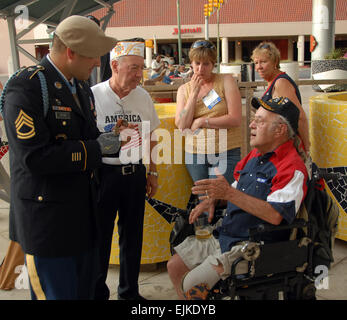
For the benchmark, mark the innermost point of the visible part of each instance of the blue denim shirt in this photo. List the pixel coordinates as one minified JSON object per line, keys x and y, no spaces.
{"x":278,"y":177}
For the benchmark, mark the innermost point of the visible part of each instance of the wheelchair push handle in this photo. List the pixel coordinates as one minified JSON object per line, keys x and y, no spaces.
{"x":328,"y":176}
{"x":264,"y":228}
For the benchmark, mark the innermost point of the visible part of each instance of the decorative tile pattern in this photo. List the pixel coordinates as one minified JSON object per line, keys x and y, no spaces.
{"x":328,"y":135}
{"x":338,"y":186}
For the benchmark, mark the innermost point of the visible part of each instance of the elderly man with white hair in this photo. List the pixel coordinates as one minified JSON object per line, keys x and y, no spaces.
{"x":269,"y":187}
{"x":124,"y":181}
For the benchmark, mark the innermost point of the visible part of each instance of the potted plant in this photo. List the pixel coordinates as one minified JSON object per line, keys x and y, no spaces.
{"x":333,"y":66}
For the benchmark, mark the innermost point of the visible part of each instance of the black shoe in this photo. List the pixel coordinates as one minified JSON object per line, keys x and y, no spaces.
{"x":137,"y":297}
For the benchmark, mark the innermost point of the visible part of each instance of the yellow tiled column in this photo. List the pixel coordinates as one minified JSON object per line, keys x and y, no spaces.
{"x":328,"y":135}
{"x":174,"y":188}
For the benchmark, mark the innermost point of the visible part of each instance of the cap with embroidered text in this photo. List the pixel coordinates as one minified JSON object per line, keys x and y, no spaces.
{"x":128,"y":48}
{"x":282,"y":106}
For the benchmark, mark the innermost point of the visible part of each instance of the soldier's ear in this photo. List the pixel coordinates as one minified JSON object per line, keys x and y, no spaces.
{"x":70,"y":54}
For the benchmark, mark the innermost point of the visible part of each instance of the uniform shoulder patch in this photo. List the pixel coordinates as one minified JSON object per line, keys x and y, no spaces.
{"x":24,"y":126}
{"x":30,"y":72}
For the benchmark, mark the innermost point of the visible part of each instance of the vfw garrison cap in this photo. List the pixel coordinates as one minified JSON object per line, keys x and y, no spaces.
{"x":84,"y":37}
{"x":131,"y":47}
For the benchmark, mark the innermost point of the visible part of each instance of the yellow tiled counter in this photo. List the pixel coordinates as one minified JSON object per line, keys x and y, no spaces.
{"x":328,"y":135}
{"x":174,"y":188}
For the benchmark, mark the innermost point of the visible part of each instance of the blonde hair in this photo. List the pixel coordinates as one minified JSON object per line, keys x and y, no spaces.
{"x":203,"y":53}
{"x":270,"y":50}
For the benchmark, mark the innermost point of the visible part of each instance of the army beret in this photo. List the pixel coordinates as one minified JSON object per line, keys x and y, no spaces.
{"x":84,"y":37}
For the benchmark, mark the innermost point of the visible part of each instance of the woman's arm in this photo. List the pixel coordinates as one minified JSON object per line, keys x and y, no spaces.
{"x":185,"y":109}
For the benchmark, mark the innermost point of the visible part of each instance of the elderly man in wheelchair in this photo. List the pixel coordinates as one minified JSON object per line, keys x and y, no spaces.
{"x":270,"y":185}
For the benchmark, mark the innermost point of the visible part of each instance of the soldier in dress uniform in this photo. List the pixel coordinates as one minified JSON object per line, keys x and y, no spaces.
{"x":55,"y":147}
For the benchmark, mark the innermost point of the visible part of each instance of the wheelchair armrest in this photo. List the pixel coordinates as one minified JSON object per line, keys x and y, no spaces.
{"x":233,"y":269}
{"x":264,"y":228}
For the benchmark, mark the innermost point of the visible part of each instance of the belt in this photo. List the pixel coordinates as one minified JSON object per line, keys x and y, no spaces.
{"x":127,"y":168}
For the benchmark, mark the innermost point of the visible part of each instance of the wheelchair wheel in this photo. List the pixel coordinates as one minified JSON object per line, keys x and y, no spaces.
{"x":309,"y":292}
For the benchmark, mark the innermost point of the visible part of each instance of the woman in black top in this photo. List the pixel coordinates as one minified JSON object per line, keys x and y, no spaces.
{"x":266,"y":58}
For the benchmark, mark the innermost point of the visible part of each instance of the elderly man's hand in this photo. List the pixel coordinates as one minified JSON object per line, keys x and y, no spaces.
{"x":212,"y":188}
{"x":151,"y":185}
{"x":124,"y":129}
{"x":205,"y":206}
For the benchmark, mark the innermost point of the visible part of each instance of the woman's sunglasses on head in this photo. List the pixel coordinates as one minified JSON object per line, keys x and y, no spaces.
{"x":265,"y":46}
{"x":203,"y":44}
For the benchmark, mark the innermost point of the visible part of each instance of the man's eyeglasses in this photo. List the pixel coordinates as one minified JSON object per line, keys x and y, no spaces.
{"x":260,"y":121}
{"x":203,"y":44}
{"x":257,"y":121}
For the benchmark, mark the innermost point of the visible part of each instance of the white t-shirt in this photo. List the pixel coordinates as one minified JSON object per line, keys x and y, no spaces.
{"x":137,"y":108}
{"x":155,"y":65}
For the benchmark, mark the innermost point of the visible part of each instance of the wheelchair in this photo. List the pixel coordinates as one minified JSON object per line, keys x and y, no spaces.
{"x":276,"y":271}
{"x":283,"y":270}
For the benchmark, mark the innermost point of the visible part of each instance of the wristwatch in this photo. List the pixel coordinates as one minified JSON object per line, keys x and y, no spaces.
{"x":152,"y":173}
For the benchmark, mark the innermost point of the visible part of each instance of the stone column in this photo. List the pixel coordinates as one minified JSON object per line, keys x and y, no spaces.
{"x":301,"y":49}
{"x":225,"y":50}
{"x":323,"y":27}
{"x":148,"y":57}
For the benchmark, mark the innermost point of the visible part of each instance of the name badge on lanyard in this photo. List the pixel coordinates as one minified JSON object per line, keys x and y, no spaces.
{"x":211,"y":99}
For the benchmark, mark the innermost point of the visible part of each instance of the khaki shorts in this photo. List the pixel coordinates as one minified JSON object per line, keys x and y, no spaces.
{"x":193,"y":252}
